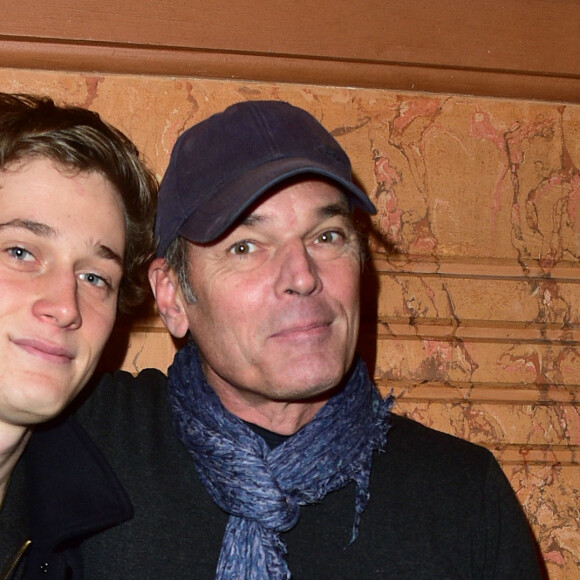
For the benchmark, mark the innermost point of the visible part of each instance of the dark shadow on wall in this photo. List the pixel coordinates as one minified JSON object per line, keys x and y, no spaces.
{"x":370,"y":285}
{"x":116,"y":349}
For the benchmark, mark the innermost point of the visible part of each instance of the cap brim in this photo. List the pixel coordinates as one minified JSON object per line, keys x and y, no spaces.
{"x":226,"y":206}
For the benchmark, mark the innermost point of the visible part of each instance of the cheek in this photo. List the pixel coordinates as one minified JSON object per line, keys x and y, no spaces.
{"x":342,"y":282}
{"x":231,"y":303}
{"x":98,"y":323}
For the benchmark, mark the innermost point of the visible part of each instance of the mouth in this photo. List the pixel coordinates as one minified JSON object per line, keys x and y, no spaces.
{"x":307,"y":331}
{"x":44,"y":350}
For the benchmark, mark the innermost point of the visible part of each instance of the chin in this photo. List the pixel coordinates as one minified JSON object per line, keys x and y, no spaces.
{"x":309,"y":388}
{"x":45,"y":405}
{"x":45,"y":411}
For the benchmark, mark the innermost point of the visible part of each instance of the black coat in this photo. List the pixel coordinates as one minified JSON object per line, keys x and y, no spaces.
{"x":62,"y":492}
{"x":439,"y":508}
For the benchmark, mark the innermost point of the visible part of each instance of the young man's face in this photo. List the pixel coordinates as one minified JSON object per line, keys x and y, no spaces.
{"x":62,"y":239}
{"x":277,"y":315}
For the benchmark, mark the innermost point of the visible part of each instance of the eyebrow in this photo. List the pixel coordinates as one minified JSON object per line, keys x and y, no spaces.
{"x":109,"y":254}
{"x":46,"y":231}
{"x":335,"y":209}
{"x":35,"y":227}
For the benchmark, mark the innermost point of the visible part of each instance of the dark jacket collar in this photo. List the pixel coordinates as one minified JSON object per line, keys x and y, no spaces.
{"x":72,"y":491}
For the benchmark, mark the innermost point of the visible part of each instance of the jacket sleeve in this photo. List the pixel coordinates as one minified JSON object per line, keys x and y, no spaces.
{"x":509,"y":551}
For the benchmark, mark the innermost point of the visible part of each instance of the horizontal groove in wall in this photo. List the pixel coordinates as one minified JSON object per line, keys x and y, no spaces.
{"x":500,"y":393}
{"x":477,"y":331}
{"x":436,"y":329}
{"x":474,"y":268}
{"x":511,"y":399}
{"x":554,"y":455}
{"x":528,"y":396}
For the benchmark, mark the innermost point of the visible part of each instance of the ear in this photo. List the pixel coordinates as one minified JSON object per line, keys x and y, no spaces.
{"x":168,"y":297}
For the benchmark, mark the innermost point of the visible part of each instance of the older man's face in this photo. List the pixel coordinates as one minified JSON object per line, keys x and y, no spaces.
{"x":277,"y":315}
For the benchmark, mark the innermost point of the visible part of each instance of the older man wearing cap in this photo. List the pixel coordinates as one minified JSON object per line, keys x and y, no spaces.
{"x":286,"y":461}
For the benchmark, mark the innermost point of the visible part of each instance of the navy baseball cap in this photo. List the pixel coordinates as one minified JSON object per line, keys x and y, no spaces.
{"x":223,"y":165}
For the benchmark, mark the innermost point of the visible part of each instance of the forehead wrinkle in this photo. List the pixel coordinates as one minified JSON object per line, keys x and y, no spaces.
{"x":339,"y":208}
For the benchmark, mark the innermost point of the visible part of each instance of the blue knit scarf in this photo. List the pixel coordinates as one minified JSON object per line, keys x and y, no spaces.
{"x":261,"y":488}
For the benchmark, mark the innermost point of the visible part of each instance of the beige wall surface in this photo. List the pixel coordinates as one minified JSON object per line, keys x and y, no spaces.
{"x":471,"y":307}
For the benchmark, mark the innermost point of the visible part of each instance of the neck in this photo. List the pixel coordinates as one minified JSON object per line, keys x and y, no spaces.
{"x":282,"y":417}
{"x":13,"y":440}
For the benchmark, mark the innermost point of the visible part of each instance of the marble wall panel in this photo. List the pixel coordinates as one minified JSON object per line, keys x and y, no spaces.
{"x":471,"y":305}
{"x":508,"y":301}
{"x":541,"y":364}
{"x":531,"y":430}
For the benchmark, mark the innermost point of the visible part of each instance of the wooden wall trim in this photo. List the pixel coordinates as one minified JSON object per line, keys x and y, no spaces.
{"x":91,"y":58}
{"x":503,"y":48}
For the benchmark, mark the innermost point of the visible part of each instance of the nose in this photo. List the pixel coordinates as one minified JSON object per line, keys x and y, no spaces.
{"x":57,"y":300}
{"x":297,"y":271}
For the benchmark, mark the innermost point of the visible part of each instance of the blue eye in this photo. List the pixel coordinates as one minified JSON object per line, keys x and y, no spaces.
{"x":20,"y":254}
{"x":95,"y":280}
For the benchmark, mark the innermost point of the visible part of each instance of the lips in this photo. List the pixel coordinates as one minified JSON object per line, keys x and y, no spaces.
{"x":301,"y":329}
{"x":307,"y":320}
{"x":45,"y":350}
